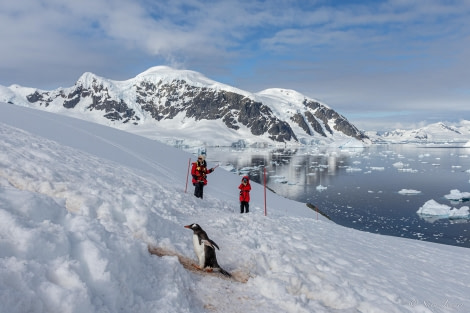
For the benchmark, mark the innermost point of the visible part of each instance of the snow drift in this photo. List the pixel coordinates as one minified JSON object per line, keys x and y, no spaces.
{"x":80,"y":203}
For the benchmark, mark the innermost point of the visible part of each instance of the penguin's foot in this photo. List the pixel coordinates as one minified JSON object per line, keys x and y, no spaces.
{"x":209,"y":269}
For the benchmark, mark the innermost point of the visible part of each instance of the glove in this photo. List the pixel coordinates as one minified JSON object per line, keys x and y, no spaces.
{"x":212,"y":169}
{"x":241,"y":193}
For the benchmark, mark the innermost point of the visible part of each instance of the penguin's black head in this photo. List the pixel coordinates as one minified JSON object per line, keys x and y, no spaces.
{"x":195,"y":227}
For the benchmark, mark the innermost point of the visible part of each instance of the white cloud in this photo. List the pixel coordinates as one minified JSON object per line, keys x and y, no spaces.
{"x":377,"y":54}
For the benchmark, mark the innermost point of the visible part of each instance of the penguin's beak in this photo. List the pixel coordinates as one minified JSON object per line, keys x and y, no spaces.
{"x":187,"y":226}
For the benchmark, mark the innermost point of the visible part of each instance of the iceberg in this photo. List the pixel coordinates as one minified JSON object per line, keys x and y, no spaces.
{"x":463,"y":212}
{"x":456,"y":195}
{"x":433,"y":208}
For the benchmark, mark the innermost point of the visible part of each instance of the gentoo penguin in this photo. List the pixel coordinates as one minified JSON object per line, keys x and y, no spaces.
{"x":205,"y":249}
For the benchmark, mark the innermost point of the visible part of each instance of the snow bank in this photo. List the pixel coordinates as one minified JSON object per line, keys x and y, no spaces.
{"x":55,"y":261}
{"x":80,"y":203}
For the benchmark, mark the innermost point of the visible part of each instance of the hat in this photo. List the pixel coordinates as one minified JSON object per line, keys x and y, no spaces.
{"x":201,"y":157}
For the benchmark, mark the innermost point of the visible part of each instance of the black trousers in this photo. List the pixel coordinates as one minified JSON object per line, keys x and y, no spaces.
{"x":244,"y":205}
{"x":199,"y":189}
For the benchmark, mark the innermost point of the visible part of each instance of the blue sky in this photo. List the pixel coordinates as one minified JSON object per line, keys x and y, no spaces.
{"x":382,"y":64}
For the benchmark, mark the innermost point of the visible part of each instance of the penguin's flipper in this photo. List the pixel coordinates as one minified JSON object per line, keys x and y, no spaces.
{"x":212,"y":242}
{"x":208,"y":243}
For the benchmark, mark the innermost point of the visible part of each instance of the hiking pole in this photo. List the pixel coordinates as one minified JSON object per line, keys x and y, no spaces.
{"x":265,"y":213}
{"x":187,"y":176}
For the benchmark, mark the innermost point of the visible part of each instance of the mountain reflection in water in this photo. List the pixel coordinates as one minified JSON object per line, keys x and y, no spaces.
{"x":360,"y":187}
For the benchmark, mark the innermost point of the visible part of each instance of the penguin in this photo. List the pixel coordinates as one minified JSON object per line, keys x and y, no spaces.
{"x":205,"y":250}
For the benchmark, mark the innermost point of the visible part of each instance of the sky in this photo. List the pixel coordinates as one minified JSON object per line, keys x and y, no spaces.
{"x":81,"y":203}
{"x":381,"y":64}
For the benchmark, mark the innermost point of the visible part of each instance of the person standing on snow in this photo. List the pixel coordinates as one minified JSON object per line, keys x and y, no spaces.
{"x":245,"y":188}
{"x":199,"y":172}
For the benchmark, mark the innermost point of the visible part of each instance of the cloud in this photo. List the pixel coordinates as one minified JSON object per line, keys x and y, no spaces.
{"x":379,"y":54}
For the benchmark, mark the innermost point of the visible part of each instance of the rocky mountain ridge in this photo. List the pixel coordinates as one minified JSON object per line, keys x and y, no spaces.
{"x":165,"y":94}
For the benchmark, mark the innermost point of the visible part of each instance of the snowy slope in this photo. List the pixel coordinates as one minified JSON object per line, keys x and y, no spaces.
{"x":80,"y":203}
{"x":168,"y":74}
{"x":285,"y":103}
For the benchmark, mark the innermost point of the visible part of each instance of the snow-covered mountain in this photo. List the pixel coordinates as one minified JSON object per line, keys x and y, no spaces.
{"x":163,"y":102}
{"x":437,"y":133}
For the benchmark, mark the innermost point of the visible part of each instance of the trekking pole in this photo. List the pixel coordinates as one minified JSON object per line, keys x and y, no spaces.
{"x":187,"y":176}
{"x":265,"y":213}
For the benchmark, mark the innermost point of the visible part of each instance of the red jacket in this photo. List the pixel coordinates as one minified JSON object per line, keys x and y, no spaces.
{"x":199,"y":172}
{"x":245,"y":190}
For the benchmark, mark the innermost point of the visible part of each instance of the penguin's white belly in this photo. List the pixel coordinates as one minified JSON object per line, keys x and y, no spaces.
{"x":199,"y":250}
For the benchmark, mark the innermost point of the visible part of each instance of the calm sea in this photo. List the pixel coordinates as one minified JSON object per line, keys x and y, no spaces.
{"x":359,"y":188}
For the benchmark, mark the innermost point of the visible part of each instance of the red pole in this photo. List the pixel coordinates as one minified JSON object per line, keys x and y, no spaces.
{"x":265,"y":213}
{"x":187,"y":175}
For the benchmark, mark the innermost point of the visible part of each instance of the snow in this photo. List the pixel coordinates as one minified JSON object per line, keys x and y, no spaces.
{"x":80,"y":204}
{"x":434,"y":135}
{"x":169,"y":74}
{"x":285,"y":103}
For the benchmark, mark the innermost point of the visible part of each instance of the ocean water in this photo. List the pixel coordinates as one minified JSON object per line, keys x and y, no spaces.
{"x":359,"y":187}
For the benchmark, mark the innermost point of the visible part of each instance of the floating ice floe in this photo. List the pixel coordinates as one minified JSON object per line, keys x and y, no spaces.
{"x":279,"y":179}
{"x":399,"y":165}
{"x":456,"y":195}
{"x":320,"y":187}
{"x":377,"y":168}
{"x":408,"y":170}
{"x":353,"y":169}
{"x":433,"y":208}
{"x":409,"y":192}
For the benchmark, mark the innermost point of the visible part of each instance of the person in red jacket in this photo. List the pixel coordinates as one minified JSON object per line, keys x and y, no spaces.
{"x":199,"y":172}
{"x":245,"y":195}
